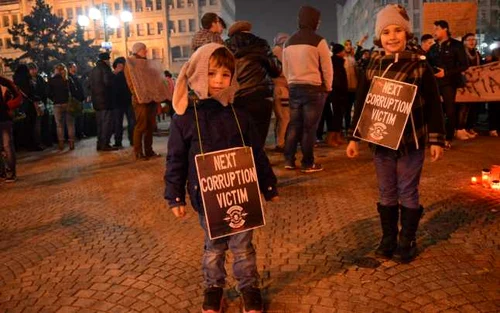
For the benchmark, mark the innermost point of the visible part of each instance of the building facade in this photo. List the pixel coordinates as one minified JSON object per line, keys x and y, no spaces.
{"x":356,"y":18}
{"x":165,"y":26}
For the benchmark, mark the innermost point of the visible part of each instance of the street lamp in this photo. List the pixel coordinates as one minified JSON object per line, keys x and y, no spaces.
{"x":110,"y":21}
{"x":126,"y":17}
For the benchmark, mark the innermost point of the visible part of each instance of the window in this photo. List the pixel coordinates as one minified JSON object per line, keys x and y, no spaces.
{"x":213,"y":2}
{"x":158,"y":5}
{"x":190,"y":3}
{"x":138,"y":5}
{"x":170,"y":4}
{"x":69,"y":13}
{"x":180,"y":52}
{"x":192,"y":25}
{"x":79,"y":11}
{"x":159,"y":28}
{"x":181,"y":4}
{"x":151,"y":29}
{"x":117,"y":6}
{"x":1,"y":43}
{"x":140,"y":30}
{"x":171,"y":26}
{"x":156,"y":53}
{"x":15,"y":20}
{"x":60,"y":13}
{"x":8,"y":43}
{"x":149,"y":5}
{"x":6,"y":21}
{"x":182,"y":26}
{"x":127,"y":5}
{"x":203,"y":3}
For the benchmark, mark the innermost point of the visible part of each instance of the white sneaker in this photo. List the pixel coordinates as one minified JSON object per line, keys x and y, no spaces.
{"x":462,"y":134}
{"x":493,"y":133}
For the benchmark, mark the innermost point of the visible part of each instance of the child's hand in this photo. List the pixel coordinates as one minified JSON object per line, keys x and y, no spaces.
{"x":436,"y":153}
{"x":275,"y":199}
{"x":179,"y":211}
{"x":352,"y":150}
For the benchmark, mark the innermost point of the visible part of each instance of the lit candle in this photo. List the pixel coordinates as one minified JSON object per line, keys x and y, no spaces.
{"x":495,"y":184}
{"x":473,"y":180}
{"x":485,"y":178}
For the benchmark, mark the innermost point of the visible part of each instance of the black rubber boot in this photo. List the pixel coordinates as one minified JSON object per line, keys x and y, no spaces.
{"x":389,"y":216}
{"x":407,"y":237}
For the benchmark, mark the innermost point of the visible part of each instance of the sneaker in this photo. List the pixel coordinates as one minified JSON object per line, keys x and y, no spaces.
{"x":312,"y":169}
{"x":140,"y":157}
{"x":118,"y":145}
{"x":290,"y":166}
{"x":10,"y":179}
{"x":212,"y":302}
{"x":493,"y":133}
{"x":472,"y":133}
{"x":153,"y":155}
{"x":462,"y":135}
{"x":108,"y":148}
{"x":252,"y":300}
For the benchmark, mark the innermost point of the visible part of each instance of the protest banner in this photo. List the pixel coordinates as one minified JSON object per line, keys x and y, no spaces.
{"x":482,"y":84}
{"x":461,"y":22}
{"x":385,"y":112}
{"x":230,"y":191}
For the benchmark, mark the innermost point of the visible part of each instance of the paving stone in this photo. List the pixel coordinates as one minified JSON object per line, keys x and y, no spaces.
{"x":95,"y":235}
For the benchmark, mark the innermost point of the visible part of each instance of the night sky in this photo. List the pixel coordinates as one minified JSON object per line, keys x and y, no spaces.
{"x":269,"y":17}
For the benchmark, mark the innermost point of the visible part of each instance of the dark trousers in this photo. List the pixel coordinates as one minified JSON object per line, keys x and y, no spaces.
{"x":351,"y":97}
{"x":260,"y":109}
{"x":144,"y":126}
{"x":129,"y":114}
{"x":104,"y":120}
{"x":448,"y":93}
{"x":326,"y":116}
{"x":7,"y":150}
{"x":472,"y":116}
{"x":306,"y":107}
{"x":340,"y":105}
{"x":494,"y":115}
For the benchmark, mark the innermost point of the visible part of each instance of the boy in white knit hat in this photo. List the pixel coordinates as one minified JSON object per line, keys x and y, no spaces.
{"x":205,"y":120}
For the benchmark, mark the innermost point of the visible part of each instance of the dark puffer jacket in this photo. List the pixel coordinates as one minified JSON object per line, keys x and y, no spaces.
{"x":101,"y":80}
{"x":219,"y":131}
{"x":450,"y":56}
{"x":256,"y":64}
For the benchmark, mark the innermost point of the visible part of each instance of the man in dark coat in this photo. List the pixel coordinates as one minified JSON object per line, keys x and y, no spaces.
{"x":79,"y":95}
{"x":122,"y":102}
{"x":101,"y":79}
{"x":449,"y":60}
{"x":256,"y":66}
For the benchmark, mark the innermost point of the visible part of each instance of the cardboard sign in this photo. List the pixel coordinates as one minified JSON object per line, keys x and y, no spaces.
{"x":385,"y":112}
{"x":461,"y":17}
{"x":230,"y":191}
{"x":482,"y":84}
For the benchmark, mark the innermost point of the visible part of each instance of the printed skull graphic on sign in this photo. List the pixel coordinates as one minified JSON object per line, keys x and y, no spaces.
{"x":236,"y":216}
{"x":378,"y":131}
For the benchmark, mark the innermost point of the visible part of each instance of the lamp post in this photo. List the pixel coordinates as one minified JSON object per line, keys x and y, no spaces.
{"x":126,"y":18}
{"x":110,"y":21}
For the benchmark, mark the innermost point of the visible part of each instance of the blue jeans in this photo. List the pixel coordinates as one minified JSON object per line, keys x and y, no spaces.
{"x":306,"y":107}
{"x":398,"y":177}
{"x":8,"y":157}
{"x":105,"y":124}
{"x":64,"y":118}
{"x":129,"y":114}
{"x":214,"y":258}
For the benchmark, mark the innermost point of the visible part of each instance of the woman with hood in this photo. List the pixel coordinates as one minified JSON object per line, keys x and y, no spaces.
{"x":398,"y":171}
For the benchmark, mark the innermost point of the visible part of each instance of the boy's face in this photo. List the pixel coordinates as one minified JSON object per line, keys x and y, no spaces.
{"x":219,"y":78}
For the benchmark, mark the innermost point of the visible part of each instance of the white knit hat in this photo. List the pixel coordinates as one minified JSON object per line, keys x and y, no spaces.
{"x":194,"y":73}
{"x":138,"y":46}
{"x":392,"y":14}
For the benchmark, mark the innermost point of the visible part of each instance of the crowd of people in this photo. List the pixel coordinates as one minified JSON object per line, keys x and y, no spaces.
{"x":225,"y":96}
{"x":112,"y":90}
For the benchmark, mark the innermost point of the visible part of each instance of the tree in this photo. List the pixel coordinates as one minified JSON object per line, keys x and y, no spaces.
{"x":82,"y":52}
{"x":44,"y":38}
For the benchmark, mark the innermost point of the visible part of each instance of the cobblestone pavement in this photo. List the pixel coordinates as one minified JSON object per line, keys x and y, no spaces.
{"x":87,"y":232}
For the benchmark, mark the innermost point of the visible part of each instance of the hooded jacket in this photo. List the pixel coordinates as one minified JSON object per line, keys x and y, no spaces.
{"x":219,"y":127}
{"x":306,"y":55}
{"x":256,"y":65}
